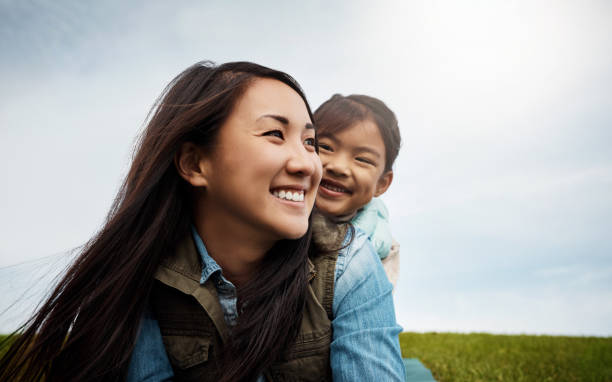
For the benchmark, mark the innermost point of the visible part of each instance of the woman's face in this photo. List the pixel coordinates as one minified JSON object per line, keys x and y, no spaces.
{"x":263,"y":172}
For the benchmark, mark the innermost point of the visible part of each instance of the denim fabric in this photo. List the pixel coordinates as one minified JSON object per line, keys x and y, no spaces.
{"x":225,"y":289}
{"x":365,"y":344}
{"x":149,"y":361}
{"x":373,"y":219}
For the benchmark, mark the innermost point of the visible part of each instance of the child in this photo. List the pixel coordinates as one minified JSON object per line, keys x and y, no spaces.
{"x":359,"y":140}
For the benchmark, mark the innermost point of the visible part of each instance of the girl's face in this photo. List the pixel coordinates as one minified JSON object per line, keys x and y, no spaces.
{"x":263,"y":172}
{"x":353,"y":168}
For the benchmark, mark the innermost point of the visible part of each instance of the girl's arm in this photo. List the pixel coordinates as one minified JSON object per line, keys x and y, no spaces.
{"x":365,"y":343}
{"x":391,"y":263}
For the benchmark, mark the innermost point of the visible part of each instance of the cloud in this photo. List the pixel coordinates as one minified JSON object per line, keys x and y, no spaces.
{"x":501,"y":190}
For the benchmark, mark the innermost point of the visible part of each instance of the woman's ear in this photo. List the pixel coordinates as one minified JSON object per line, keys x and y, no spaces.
{"x":383,"y":183}
{"x":190,"y":163}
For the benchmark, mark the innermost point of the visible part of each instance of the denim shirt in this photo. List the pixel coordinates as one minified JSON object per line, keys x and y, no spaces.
{"x":365,"y":343}
{"x":373,"y":219}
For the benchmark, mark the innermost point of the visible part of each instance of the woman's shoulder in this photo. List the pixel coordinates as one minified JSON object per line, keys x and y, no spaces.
{"x":327,"y":236}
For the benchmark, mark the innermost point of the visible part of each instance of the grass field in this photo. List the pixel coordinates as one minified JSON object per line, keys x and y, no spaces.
{"x":3,"y":345}
{"x":487,"y":357}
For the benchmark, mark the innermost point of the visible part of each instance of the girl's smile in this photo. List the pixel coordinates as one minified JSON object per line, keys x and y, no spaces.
{"x":353,"y":168}
{"x":333,"y":189}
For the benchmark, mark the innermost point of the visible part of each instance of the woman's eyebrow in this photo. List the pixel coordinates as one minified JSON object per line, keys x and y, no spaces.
{"x":284,"y":120}
{"x":279,"y":118}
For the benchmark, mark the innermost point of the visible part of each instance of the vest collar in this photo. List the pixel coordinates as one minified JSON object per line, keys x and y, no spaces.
{"x":183,"y":272}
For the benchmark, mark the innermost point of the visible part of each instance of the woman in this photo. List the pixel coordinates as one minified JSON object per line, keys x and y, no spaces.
{"x":204,"y":268}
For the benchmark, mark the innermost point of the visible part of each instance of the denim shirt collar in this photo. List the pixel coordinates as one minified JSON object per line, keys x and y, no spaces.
{"x":209,"y":265}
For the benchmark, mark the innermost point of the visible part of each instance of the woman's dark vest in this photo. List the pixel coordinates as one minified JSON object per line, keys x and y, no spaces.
{"x":194,"y":330}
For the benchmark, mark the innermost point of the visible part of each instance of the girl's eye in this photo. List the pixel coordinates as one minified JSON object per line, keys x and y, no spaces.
{"x":365,"y":160}
{"x":325,"y":147}
{"x":274,"y":133}
{"x":310,"y":142}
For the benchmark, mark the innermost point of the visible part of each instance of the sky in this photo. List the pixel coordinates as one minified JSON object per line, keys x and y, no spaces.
{"x":501,"y":199}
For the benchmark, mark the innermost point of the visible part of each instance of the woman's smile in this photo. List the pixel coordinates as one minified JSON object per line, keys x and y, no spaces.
{"x":289,"y":194}
{"x":264,"y":171}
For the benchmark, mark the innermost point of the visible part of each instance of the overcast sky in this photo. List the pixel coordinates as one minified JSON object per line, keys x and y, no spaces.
{"x":502,"y":196}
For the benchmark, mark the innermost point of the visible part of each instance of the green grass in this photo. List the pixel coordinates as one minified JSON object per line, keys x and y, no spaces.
{"x":4,"y":346}
{"x":487,"y":357}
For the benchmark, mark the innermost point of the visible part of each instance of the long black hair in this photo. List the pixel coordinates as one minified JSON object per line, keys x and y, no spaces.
{"x":87,"y":328}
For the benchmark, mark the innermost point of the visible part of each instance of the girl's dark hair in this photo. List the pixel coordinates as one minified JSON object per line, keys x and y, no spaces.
{"x":341,"y":112}
{"x":87,"y":328}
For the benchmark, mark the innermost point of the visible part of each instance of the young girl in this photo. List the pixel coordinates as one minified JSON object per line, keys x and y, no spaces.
{"x":204,"y":269}
{"x":359,"y":140}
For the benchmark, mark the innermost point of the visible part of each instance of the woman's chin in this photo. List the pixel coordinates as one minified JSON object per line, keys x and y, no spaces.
{"x":294,"y":233}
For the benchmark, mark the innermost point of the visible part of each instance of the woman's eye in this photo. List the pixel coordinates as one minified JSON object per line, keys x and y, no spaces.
{"x":325,"y":147}
{"x":274,"y":133}
{"x":310,"y":142}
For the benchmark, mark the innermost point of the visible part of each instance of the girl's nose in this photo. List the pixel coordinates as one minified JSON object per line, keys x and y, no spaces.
{"x":337,"y":167}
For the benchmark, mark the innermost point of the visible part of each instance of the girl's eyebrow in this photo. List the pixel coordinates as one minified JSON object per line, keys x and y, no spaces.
{"x":358,"y":149}
{"x":362,"y":149}
{"x":328,"y":136}
{"x":283,"y":120}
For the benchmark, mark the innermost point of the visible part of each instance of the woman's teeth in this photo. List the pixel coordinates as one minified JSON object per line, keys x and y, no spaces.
{"x":296,"y":196}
